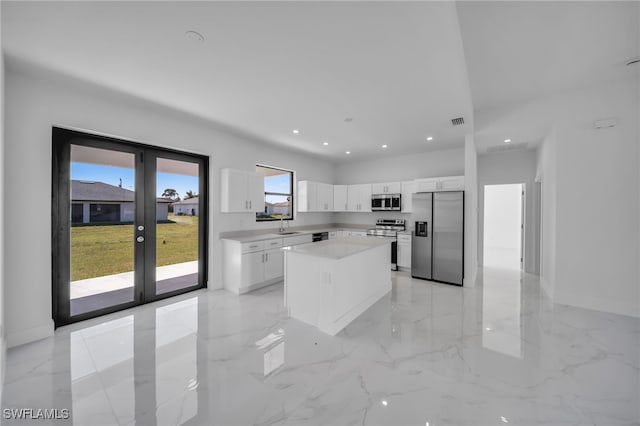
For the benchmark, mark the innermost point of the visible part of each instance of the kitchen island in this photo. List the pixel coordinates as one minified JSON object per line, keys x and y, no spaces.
{"x":330,"y":283}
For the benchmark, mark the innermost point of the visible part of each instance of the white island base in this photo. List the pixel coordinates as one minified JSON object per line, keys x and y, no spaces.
{"x":328,"y":284}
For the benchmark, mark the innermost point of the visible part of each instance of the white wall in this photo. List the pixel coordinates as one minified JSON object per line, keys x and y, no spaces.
{"x":471,"y":212}
{"x":596,"y":200}
{"x":547,"y":176}
{"x":396,"y":169}
{"x":36,"y":101}
{"x":598,"y":215}
{"x":511,"y":167}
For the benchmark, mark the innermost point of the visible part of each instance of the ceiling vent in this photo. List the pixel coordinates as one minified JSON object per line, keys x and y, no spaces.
{"x":507,"y":147}
{"x":457,"y":121}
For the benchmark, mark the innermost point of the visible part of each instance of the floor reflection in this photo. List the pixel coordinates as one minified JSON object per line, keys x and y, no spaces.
{"x":421,"y":354}
{"x":502,"y":311}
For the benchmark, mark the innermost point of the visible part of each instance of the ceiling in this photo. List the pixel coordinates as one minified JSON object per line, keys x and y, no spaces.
{"x":520,"y":51}
{"x":399,"y":70}
{"x":267,"y":68}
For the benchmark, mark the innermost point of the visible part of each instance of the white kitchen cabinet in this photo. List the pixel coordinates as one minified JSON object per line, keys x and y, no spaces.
{"x":325,"y":197}
{"x":452,"y":183}
{"x":359,"y":198}
{"x":386,"y":188}
{"x":340,"y":198}
{"x":404,"y":251}
{"x":254,"y":264}
{"x":333,"y":235}
{"x":273,"y":264}
{"x":252,"y":269}
{"x":315,"y":196}
{"x":408,"y":189}
{"x":241,"y":191}
{"x":426,"y":185}
{"x":307,"y":196}
{"x":448,"y":183}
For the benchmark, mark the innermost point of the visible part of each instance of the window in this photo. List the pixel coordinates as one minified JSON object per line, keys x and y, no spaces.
{"x":278,"y":194}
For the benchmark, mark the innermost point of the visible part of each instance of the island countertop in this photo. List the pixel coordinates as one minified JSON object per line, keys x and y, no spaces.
{"x":338,"y":248}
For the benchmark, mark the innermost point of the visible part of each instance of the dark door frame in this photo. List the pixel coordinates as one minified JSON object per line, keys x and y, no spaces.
{"x":145,"y":176}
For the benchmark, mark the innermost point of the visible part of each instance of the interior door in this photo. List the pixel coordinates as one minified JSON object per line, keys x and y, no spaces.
{"x":117,"y":239}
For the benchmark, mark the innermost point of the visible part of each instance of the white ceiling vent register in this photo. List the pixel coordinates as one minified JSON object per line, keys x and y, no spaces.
{"x":507,"y":147}
{"x":603,"y":124}
{"x":457,"y":121}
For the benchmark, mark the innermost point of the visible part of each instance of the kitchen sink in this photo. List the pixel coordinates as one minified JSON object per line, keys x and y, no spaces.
{"x":289,"y":233}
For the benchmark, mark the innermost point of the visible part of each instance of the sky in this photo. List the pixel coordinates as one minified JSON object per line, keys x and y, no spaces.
{"x":278,"y":183}
{"x":181,"y":183}
{"x":112,"y":176}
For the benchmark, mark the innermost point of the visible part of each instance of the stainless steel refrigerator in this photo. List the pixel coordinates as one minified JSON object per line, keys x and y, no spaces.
{"x":437,"y":241}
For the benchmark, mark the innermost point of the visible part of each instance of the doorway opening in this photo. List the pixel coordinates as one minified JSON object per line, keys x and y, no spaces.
{"x":503,"y":243}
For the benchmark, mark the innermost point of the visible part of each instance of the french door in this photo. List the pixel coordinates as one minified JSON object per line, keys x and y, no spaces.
{"x":129,"y":224}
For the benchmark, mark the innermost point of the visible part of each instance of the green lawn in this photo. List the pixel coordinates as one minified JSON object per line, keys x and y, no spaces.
{"x":106,"y":250}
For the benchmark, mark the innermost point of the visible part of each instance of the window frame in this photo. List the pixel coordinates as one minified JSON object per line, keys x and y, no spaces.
{"x":282,"y":194}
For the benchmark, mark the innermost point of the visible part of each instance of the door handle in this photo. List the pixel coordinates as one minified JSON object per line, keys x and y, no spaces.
{"x":266,"y":257}
{"x":249,"y":203}
{"x":246,"y":205}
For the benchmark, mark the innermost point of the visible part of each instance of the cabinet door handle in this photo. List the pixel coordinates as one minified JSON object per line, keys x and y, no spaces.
{"x":266,"y":257}
{"x":249,"y":203}
{"x":246,"y":204}
{"x":262,"y":257}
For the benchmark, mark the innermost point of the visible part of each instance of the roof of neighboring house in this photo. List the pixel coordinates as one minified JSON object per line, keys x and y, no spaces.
{"x":282,"y":204}
{"x":85,"y":190}
{"x":194,"y":200}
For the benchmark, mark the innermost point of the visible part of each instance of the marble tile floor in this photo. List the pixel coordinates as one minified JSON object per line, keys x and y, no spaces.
{"x":427,"y":354}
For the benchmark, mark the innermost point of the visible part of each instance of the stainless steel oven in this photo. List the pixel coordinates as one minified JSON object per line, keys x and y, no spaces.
{"x":389,"y":228}
{"x":386,"y":202}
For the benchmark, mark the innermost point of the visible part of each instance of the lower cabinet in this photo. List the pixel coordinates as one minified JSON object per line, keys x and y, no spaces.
{"x":249,"y":266}
{"x":404,"y":251}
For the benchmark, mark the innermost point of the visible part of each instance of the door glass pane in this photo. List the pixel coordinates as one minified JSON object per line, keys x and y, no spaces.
{"x":102,"y":232}
{"x":177,"y":225}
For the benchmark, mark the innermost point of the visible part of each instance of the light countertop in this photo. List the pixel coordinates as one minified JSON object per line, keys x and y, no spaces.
{"x":338,"y":248}
{"x":258,"y":236}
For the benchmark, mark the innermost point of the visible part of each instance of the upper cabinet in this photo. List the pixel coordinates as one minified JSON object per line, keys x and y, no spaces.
{"x":340,"y":198}
{"x":241,"y":191}
{"x":359,"y":198}
{"x":449,"y":183}
{"x":315,"y":196}
{"x":408,"y":189}
{"x":386,"y":188}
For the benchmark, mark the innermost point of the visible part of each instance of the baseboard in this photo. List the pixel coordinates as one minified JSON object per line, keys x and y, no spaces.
{"x":29,"y":335}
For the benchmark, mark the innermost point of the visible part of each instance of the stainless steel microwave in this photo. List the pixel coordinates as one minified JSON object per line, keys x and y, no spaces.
{"x":387,"y":202}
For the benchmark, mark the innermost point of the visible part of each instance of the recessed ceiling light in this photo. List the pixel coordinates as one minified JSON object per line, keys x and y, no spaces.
{"x":348,"y":119}
{"x":384,"y":146}
{"x":385,"y":403}
{"x":295,"y":132}
{"x":325,"y":143}
{"x":347,"y":152}
{"x":507,"y":140}
{"x":194,"y":36}
{"x":429,"y":138}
